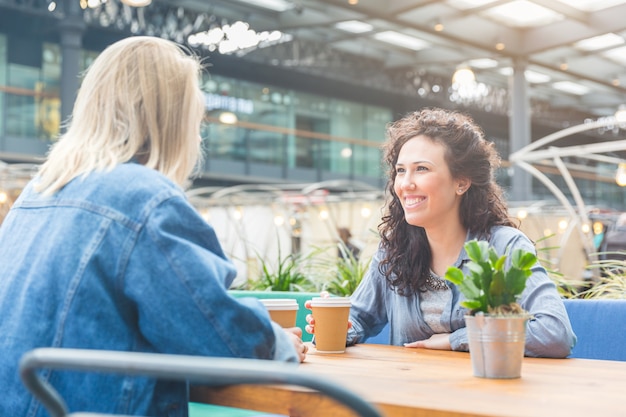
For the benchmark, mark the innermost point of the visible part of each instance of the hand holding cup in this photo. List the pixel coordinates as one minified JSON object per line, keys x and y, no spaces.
{"x":329,"y":322}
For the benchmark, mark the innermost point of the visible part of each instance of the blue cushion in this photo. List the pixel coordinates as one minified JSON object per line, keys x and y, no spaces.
{"x":381,"y":338}
{"x":600,"y":326}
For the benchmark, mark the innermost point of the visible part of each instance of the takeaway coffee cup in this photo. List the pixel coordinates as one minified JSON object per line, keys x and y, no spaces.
{"x":331,"y":323}
{"x":282,"y":310}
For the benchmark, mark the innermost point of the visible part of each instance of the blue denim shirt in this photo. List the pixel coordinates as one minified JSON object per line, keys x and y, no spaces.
{"x":549,"y":333}
{"x":119,"y":260}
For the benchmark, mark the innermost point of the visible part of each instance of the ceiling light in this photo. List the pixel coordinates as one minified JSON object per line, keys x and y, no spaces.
{"x":353,"y":2}
{"x":438,"y":26}
{"x":469,"y":4}
{"x":535,"y":77}
{"x":523,"y":13}
{"x":571,"y":87}
{"x":616,"y":81}
{"x":532,"y":77}
{"x":400,"y":39}
{"x":483,"y":63}
{"x":600,"y":42}
{"x":591,"y":5}
{"x":276,"y":5}
{"x":500,"y":46}
{"x":616,"y":54}
{"x":563,"y":65}
{"x":136,"y":3}
{"x":354,"y":26}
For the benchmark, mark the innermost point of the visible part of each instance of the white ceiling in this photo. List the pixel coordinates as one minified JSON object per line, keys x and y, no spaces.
{"x":470,"y":32}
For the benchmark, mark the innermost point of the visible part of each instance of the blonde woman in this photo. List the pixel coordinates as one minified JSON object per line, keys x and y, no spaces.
{"x":102,"y":250}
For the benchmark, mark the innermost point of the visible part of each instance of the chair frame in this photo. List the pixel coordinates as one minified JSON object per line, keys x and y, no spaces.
{"x":194,"y":369}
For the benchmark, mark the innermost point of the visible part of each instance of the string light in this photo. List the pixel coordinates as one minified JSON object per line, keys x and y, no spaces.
{"x":620,"y":175}
{"x":620,"y":114}
{"x":463,"y":76}
{"x":228,"y":39}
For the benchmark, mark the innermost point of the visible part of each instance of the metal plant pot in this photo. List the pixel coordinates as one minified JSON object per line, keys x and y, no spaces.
{"x":496,"y":345}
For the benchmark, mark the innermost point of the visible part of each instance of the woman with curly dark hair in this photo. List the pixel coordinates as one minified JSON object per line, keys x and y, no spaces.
{"x":442,"y":192}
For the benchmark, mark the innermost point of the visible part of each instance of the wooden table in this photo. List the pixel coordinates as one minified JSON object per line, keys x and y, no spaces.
{"x":419,"y":382}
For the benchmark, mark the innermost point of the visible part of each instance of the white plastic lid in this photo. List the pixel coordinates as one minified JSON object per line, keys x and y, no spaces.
{"x":280,"y":303}
{"x":330,"y":302}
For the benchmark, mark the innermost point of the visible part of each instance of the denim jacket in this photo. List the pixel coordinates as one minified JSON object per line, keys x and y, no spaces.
{"x":549,"y":332}
{"x":119,"y":260}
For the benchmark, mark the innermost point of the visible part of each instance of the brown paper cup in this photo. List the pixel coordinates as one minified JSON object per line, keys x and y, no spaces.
{"x":331,"y":323}
{"x":282,"y":310}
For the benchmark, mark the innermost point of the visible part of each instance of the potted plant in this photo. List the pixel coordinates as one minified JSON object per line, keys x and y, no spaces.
{"x":346,"y":273}
{"x":288,"y":274}
{"x":496,"y":323}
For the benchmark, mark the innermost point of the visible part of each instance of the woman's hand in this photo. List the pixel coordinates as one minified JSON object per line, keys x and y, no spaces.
{"x":439,"y":341}
{"x":310,"y":327}
{"x":295,"y":333}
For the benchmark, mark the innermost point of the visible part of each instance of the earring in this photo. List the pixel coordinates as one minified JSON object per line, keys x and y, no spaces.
{"x":460,"y":191}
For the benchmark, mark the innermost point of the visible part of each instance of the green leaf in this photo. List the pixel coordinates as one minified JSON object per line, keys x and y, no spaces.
{"x":485,"y":283}
{"x":473,"y":305}
{"x":493,"y":256}
{"x":497,"y":290}
{"x":522,"y":259}
{"x":516,"y":280}
{"x":454,"y":275}
{"x":477,"y":250}
{"x":469,"y":289}
{"x":499,"y":264}
{"x":476,"y":268}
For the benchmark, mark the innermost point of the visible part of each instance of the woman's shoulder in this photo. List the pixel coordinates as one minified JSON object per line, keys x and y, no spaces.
{"x":127,"y":188}
{"x":506,"y":237}
{"x":135,"y":179}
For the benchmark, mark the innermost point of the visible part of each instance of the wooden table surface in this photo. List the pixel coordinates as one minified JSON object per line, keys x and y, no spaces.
{"x":419,"y":382}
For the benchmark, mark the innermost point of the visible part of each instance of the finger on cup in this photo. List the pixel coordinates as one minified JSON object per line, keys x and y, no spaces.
{"x":331,"y":323}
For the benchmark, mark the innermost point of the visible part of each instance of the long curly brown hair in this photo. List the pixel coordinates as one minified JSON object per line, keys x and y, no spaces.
{"x":468,"y":154}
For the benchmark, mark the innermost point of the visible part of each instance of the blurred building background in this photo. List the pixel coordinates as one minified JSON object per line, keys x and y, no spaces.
{"x":298,"y":94}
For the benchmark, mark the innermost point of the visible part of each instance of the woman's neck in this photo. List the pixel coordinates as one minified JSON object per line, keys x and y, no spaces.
{"x":445,"y":243}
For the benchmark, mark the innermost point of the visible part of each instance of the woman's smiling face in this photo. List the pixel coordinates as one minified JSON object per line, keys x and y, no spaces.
{"x":428,"y":193}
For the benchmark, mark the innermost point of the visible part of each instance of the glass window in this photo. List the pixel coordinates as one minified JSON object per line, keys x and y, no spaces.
{"x":3,"y":80}
{"x":49,"y":102}
{"x":21,"y":100}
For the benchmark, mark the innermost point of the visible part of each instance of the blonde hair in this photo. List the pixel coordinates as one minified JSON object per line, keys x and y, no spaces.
{"x":139,"y":99}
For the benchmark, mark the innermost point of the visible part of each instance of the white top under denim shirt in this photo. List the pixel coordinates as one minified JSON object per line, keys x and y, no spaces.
{"x":549,"y":333}
{"x":119,"y":260}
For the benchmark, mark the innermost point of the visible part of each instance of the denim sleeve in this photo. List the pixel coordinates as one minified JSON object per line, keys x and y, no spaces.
{"x":368,"y":312}
{"x":285,"y":351}
{"x":458,"y":340}
{"x":177,"y":277}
